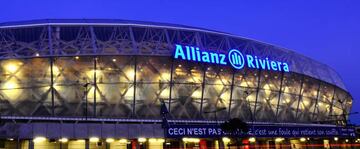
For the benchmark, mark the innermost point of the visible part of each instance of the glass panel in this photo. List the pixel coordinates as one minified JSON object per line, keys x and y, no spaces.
{"x":324,"y":102}
{"x":186,"y":91}
{"x":306,"y":109}
{"x":270,"y":80}
{"x":153,"y":85}
{"x":287,"y":107}
{"x":73,"y":79}
{"x":310,"y":87}
{"x":291,"y":83}
{"x":217,"y":93}
{"x":246,"y":78}
{"x":115,"y":83}
{"x":266,"y":106}
{"x":242,"y":104}
{"x":25,"y":87}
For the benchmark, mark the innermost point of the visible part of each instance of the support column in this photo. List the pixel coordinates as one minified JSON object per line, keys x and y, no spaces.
{"x":87,"y":144}
{"x":31,"y":144}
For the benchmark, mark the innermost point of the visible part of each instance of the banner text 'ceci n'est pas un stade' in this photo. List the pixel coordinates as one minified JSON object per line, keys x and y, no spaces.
{"x":234,"y":57}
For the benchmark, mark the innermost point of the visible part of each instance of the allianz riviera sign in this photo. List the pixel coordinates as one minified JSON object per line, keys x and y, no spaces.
{"x":234,"y":58}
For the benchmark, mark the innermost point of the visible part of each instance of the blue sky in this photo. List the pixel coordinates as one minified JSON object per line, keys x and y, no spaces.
{"x":325,"y":30}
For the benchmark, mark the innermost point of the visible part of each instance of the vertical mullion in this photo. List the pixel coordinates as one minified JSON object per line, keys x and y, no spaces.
{"x":257,"y":94}
{"x":202,"y":91}
{"x":280,"y":91}
{"x":231,"y":91}
{"x":134,"y":98}
{"x":332,"y":104}
{"x":171,"y":84}
{"x":171,"y":71}
{"x":317,"y":100}
{"x":52,"y":86}
{"x":95,"y":86}
{"x":300,"y":96}
{"x":51,"y":71}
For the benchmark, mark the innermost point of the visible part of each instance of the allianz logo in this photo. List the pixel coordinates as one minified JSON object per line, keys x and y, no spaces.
{"x":234,"y":57}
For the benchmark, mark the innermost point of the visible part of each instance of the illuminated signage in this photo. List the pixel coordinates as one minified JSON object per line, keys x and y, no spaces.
{"x":214,"y":131}
{"x":234,"y":57}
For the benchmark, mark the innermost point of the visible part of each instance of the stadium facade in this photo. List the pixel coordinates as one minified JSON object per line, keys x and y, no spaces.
{"x":102,"y":83}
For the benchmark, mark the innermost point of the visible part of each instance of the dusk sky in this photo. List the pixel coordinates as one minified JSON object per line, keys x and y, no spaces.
{"x":327,"y":30}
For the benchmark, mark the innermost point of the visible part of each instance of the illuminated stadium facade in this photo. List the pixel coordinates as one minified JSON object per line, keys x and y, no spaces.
{"x":107,"y":79}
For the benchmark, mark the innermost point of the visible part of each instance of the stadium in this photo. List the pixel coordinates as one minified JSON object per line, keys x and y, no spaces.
{"x":103,"y":84}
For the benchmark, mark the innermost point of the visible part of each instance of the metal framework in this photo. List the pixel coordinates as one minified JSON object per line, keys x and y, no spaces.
{"x":146,"y":49}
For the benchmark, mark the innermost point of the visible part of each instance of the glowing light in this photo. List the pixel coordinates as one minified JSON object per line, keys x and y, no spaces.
{"x":63,"y":140}
{"x":80,"y":141}
{"x":10,"y":85}
{"x":109,"y":140}
{"x":11,"y":67}
{"x":193,"y":140}
{"x":123,"y":141}
{"x":142,"y":139}
{"x":287,"y":100}
{"x":196,"y":94}
{"x":305,"y":102}
{"x":336,"y":138}
{"x":55,"y":70}
{"x":252,"y":139}
{"x":153,"y":140}
{"x":302,"y":139}
{"x":226,"y":140}
{"x":347,"y":140}
{"x":267,"y":89}
{"x":114,"y":60}
{"x":94,"y":139}
{"x":165,"y":93}
{"x":130,"y":73}
{"x":161,"y":140}
{"x":279,"y":139}
{"x":39,"y":139}
{"x":165,"y":76}
{"x":37,"y":54}
{"x":76,"y":57}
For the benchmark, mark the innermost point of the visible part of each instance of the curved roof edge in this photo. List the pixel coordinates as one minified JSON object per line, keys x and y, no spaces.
{"x":110,"y":22}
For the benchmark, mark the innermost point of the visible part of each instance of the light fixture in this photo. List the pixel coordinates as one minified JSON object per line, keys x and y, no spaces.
{"x":37,"y":54}
{"x":302,"y":139}
{"x":114,"y":60}
{"x":123,"y":141}
{"x":63,"y":140}
{"x":336,"y":138}
{"x":142,"y":140}
{"x":39,"y":139}
{"x":152,"y":140}
{"x":279,"y":139}
{"x":252,"y":139}
{"x":347,"y":140}
{"x":11,"y":67}
{"x":94,"y":139}
{"x":76,"y":57}
{"x":161,"y":140}
{"x":193,"y":140}
{"x":109,"y":140}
